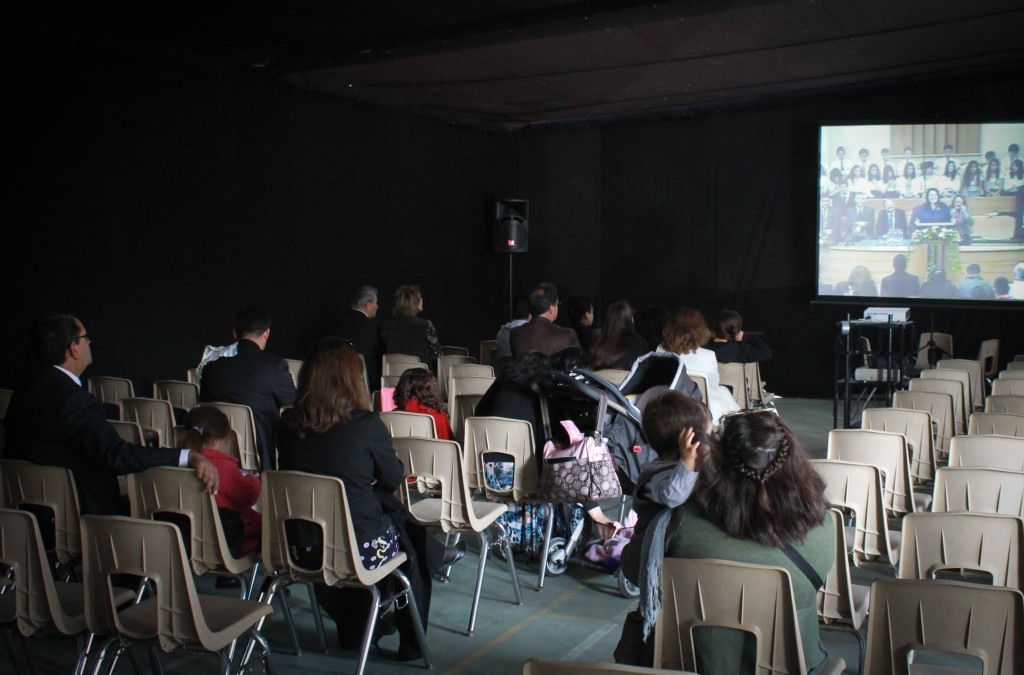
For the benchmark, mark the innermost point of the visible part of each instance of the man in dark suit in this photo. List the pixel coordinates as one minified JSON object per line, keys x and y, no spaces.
{"x":900,"y":284}
{"x":53,"y":420}
{"x":830,"y":221}
{"x":357,"y":325}
{"x":861,"y":218}
{"x":254,"y":378}
{"x":540,"y":333}
{"x":891,"y":217}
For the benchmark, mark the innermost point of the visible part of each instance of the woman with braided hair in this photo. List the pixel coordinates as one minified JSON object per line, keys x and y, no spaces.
{"x":757,"y":500}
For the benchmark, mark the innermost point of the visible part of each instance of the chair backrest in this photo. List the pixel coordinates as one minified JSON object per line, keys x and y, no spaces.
{"x":389,"y":359}
{"x":130,"y":431}
{"x":500,"y":434}
{"x":38,"y":486}
{"x":294,"y":366}
{"x":954,"y":389}
{"x":160,"y":491}
{"x":887,"y":451}
{"x":1015,"y":373}
{"x":321,"y":500}
{"x":991,"y":451}
{"x":943,"y":341}
{"x":470,"y":370}
{"x":733,"y":376}
{"x":1004,"y":424}
{"x":535,"y":666}
{"x":444,"y":364}
{"x":757,"y":599}
{"x":835,"y":598}
{"x":974,"y":369}
{"x":979,"y":490}
{"x":396,"y":368}
{"x":857,"y":488}
{"x":244,"y":425}
{"x":110,"y":389}
{"x":988,"y":354}
{"x":1015,"y":365}
{"x":982,"y":542}
{"x":1003,"y":403}
{"x":459,"y":385}
{"x":961,"y":376}
{"x":911,"y":615}
{"x":488,"y":352}
{"x":184,"y":395}
{"x":613,"y":375}
{"x":916,"y":427}
{"x":151,"y":413}
{"x":939,"y":406}
{"x":441,"y":460}
{"x":144,"y":548}
{"x":1004,"y":387}
{"x":454,"y":350}
{"x":755,"y":385}
{"x":702,"y":385}
{"x":37,"y":606}
{"x":401,"y":424}
{"x":192,"y":375}
{"x":463,"y":406}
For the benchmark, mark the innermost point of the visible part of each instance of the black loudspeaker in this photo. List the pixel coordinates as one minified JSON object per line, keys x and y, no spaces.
{"x":511,"y":226}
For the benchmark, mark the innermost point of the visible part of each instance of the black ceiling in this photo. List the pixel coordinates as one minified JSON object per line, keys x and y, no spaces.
{"x":514,"y":64}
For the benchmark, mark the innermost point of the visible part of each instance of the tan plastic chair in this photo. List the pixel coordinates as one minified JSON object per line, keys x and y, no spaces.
{"x":488,"y":352}
{"x":887,"y":451}
{"x":294,"y":495}
{"x":981,"y":542}
{"x":1003,"y":424}
{"x":975,"y":371}
{"x":916,"y":427}
{"x":733,"y":376}
{"x":37,"y":486}
{"x":459,"y":385}
{"x":444,"y":364}
{"x":1015,"y":365}
{"x":464,"y":406}
{"x":1002,"y":387}
{"x":242,"y":423}
{"x":943,"y":341}
{"x":129,"y":431}
{"x":909,"y":616}
{"x":961,"y":376}
{"x":939,"y":406}
{"x":182,"y":395}
{"x":454,"y":510}
{"x":842,"y":604}
{"x":294,"y":367}
{"x":482,"y":434}
{"x":388,"y":360}
{"x":161,"y":491}
{"x":990,"y":451}
{"x":551,"y":667}
{"x":453,"y":350}
{"x":702,"y":385}
{"x":393,"y":372}
{"x":996,"y":403}
{"x":961,"y":408}
{"x":110,"y":391}
{"x":470,"y":370}
{"x":857,"y":489}
{"x":756,"y":599}
{"x":401,"y":424}
{"x":154,"y":415}
{"x":1012,"y":373}
{"x":988,"y":354}
{"x":38,"y":604}
{"x":613,"y":375}
{"x":192,"y":375}
{"x":176,"y":617}
{"x":979,"y":490}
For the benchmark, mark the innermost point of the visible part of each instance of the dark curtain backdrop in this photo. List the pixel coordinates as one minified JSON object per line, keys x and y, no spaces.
{"x":153,"y":200}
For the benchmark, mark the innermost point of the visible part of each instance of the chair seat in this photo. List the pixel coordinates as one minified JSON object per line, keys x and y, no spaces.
{"x":922,"y":502}
{"x":71,"y":597}
{"x":833,"y":665}
{"x":428,"y":511}
{"x":225,"y":616}
{"x":859,"y":596}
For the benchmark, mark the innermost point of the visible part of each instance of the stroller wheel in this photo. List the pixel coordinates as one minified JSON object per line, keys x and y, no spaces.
{"x":557,"y":562}
{"x":626,"y":587}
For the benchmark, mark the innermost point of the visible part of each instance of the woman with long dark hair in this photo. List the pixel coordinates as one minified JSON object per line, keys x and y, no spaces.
{"x":331,"y":431}
{"x":732,"y":345}
{"x":876,"y":187}
{"x":618,"y":345}
{"x":891,"y":184}
{"x":993,"y":178}
{"x":972,"y":183}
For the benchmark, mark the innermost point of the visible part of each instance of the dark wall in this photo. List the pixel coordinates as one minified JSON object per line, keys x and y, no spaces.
{"x":154,"y":200}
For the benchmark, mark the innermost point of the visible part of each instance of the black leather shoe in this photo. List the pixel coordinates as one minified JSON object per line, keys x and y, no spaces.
{"x":453,"y":554}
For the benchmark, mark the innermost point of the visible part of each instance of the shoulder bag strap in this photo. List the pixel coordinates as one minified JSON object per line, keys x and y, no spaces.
{"x":804,"y":566}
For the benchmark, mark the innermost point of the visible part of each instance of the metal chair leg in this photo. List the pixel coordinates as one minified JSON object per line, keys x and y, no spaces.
{"x":318,"y":619}
{"x":547,"y":543}
{"x":287,"y":611}
{"x":421,"y":635}
{"x":371,"y":624}
{"x":506,"y":545}
{"x":485,"y":547}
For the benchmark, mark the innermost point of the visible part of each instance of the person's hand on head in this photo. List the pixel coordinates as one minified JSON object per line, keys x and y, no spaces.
{"x":206,"y":472}
{"x":688,"y":448}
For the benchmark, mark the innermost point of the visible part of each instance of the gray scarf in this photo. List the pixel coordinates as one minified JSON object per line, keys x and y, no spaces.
{"x":652,"y":559}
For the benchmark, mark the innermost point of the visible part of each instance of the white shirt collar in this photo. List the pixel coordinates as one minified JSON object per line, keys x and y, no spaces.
{"x":70,"y":374}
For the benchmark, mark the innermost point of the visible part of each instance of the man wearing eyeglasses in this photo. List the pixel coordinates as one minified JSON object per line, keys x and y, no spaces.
{"x":55,"y":421}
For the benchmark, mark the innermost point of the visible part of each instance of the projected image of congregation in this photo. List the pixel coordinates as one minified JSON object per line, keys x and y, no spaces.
{"x":922,"y":211}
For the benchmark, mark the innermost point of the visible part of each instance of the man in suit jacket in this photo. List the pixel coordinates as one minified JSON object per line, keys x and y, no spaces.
{"x":357,"y":325}
{"x":900,"y":284}
{"x":254,"y":378}
{"x":861,"y":218}
{"x":891,"y":217}
{"x":540,"y":333}
{"x":53,"y":420}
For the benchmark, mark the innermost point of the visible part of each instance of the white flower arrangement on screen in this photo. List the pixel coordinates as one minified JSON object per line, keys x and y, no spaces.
{"x":935,"y":233}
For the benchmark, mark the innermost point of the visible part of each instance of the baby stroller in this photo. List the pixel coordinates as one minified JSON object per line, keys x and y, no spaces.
{"x":579,"y":395}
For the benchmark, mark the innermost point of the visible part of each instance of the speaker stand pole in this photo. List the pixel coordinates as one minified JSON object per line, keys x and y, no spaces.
{"x":511,"y":308}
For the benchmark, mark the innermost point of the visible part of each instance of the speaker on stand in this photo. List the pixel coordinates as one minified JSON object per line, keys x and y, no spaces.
{"x":511,"y":235}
